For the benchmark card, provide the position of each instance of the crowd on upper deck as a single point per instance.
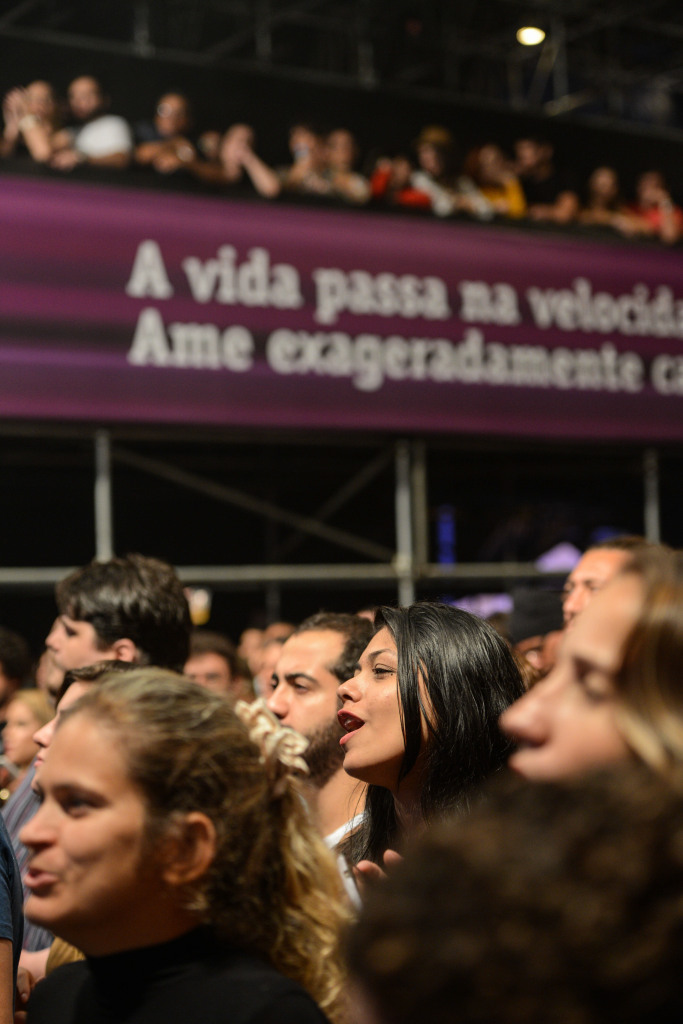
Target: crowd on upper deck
(428, 174)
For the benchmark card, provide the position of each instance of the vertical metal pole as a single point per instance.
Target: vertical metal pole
(263, 31)
(420, 509)
(273, 603)
(404, 526)
(104, 538)
(273, 594)
(651, 494)
(515, 82)
(142, 36)
(365, 53)
(560, 73)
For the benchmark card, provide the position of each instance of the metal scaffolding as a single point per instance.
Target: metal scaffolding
(599, 57)
(403, 566)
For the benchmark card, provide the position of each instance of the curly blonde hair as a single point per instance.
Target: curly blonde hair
(273, 887)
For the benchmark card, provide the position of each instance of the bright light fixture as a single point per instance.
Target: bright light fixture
(529, 35)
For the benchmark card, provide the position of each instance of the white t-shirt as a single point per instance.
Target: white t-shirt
(103, 136)
(332, 841)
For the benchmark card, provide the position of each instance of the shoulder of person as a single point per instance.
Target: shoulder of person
(254, 991)
(54, 997)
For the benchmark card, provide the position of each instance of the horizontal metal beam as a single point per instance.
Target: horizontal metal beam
(229, 576)
(17, 12)
(100, 44)
(499, 48)
(663, 28)
(243, 35)
(43, 577)
(485, 571)
(235, 576)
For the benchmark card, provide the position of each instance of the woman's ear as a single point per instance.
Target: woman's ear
(189, 850)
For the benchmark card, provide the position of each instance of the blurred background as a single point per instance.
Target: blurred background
(604, 86)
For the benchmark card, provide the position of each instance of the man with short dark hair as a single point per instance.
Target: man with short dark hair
(127, 609)
(549, 192)
(596, 567)
(98, 137)
(322, 653)
(215, 664)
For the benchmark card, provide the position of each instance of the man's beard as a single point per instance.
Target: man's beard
(324, 755)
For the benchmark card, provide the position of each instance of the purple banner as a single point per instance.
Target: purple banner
(119, 305)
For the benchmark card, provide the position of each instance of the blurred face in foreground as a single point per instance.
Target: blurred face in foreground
(567, 724)
(88, 877)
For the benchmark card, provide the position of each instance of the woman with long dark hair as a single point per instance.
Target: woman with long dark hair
(421, 719)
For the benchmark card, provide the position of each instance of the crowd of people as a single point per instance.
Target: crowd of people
(363, 818)
(428, 175)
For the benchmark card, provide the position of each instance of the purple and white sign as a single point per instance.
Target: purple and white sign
(120, 305)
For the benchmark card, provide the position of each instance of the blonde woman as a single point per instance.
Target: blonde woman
(173, 847)
(26, 713)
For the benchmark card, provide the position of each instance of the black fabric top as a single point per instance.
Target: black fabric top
(191, 980)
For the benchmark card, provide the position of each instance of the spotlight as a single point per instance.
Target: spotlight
(529, 35)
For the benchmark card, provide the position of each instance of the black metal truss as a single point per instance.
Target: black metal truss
(598, 54)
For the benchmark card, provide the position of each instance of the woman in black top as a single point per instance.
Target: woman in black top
(172, 846)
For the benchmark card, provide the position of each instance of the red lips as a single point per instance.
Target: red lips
(348, 721)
